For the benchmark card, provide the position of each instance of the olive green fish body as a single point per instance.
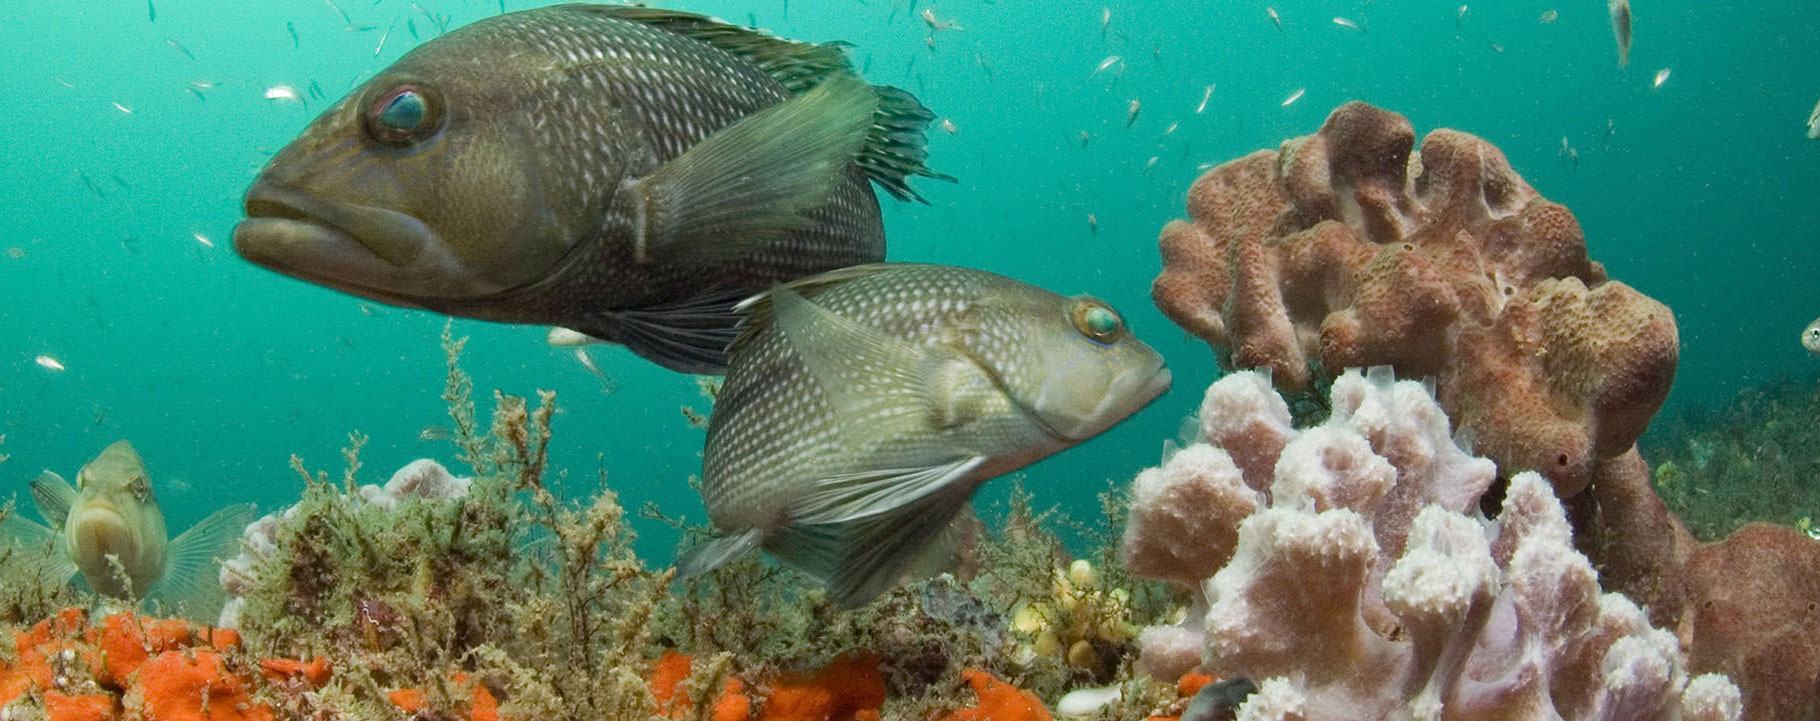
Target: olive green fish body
(624, 172)
(864, 406)
(109, 529)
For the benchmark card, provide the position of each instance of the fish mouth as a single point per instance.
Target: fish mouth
(1128, 393)
(359, 249)
(102, 530)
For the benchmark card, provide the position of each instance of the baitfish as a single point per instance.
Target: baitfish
(109, 528)
(1810, 337)
(864, 406)
(625, 172)
(1620, 28)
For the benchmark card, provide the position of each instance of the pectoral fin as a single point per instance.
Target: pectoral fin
(34, 547)
(189, 585)
(887, 385)
(859, 533)
(54, 497)
(747, 185)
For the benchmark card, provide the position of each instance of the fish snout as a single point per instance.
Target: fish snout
(1069, 412)
(374, 252)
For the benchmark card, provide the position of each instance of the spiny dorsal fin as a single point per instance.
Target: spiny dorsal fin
(896, 145)
(798, 66)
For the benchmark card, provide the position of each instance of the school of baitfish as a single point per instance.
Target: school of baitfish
(702, 194)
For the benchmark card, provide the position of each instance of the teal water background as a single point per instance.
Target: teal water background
(1702, 196)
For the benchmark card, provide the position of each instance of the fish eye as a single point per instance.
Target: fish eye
(1097, 321)
(141, 487)
(404, 115)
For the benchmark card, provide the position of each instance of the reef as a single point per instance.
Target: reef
(1345, 249)
(485, 595)
(1347, 570)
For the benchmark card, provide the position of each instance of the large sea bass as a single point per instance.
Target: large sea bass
(625, 172)
(865, 405)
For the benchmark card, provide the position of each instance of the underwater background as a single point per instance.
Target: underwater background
(132, 130)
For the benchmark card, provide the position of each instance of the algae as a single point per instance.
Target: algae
(1756, 459)
(540, 600)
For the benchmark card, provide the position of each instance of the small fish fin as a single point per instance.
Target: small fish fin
(852, 496)
(54, 497)
(864, 544)
(888, 385)
(35, 547)
(717, 552)
(750, 183)
(798, 66)
(897, 146)
(687, 337)
(190, 583)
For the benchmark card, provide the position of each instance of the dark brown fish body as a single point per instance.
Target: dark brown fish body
(1620, 28)
(624, 172)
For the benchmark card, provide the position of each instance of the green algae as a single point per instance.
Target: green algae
(1756, 459)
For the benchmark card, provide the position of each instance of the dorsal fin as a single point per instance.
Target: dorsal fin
(896, 145)
(799, 66)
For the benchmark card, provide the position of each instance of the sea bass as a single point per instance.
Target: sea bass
(864, 406)
(625, 172)
(108, 527)
(1810, 337)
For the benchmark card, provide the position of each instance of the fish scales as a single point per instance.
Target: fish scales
(546, 171)
(863, 406)
(686, 91)
(753, 450)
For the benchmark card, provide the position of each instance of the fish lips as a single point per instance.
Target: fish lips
(373, 252)
(103, 530)
(1127, 393)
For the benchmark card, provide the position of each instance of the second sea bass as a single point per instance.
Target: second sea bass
(864, 406)
(109, 528)
(625, 172)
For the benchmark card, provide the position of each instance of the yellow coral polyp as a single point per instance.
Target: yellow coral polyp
(1029, 618)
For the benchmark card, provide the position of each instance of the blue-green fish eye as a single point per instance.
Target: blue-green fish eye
(403, 115)
(405, 112)
(1098, 322)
